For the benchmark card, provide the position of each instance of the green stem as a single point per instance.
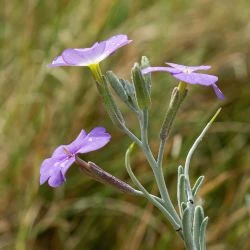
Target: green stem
(132, 136)
(157, 171)
(140, 193)
(147, 194)
(143, 118)
(166, 201)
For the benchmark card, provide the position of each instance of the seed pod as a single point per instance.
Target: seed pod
(100, 175)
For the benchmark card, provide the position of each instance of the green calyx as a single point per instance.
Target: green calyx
(96, 72)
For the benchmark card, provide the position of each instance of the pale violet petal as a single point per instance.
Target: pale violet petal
(202, 67)
(78, 57)
(201, 79)
(58, 62)
(66, 165)
(97, 138)
(189, 69)
(46, 169)
(54, 171)
(218, 92)
(177, 66)
(196, 78)
(57, 179)
(72, 148)
(50, 167)
(155, 69)
(114, 43)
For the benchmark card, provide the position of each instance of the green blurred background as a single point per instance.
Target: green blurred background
(42, 108)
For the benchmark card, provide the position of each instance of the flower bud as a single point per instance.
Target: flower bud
(111, 107)
(117, 85)
(141, 88)
(124, 89)
(145, 64)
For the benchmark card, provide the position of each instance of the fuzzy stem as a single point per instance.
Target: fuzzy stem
(157, 171)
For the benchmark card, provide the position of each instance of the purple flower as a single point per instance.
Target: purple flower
(54, 169)
(90, 56)
(187, 74)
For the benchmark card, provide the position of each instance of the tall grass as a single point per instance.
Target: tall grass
(42, 108)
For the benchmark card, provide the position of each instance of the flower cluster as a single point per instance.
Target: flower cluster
(54, 168)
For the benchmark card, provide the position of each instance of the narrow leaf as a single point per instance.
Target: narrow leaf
(181, 192)
(203, 234)
(197, 185)
(183, 206)
(180, 170)
(198, 219)
(187, 228)
(192, 150)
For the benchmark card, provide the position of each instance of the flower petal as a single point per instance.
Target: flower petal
(66, 165)
(218, 92)
(54, 171)
(180, 67)
(153, 69)
(196, 78)
(202, 67)
(73, 147)
(114, 43)
(57, 179)
(57, 62)
(97, 138)
(45, 170)
(48, 168)
(72, 57)
(184, 68)
(84, 57)
(201, 79)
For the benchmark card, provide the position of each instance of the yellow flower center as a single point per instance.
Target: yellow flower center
(187, 71)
